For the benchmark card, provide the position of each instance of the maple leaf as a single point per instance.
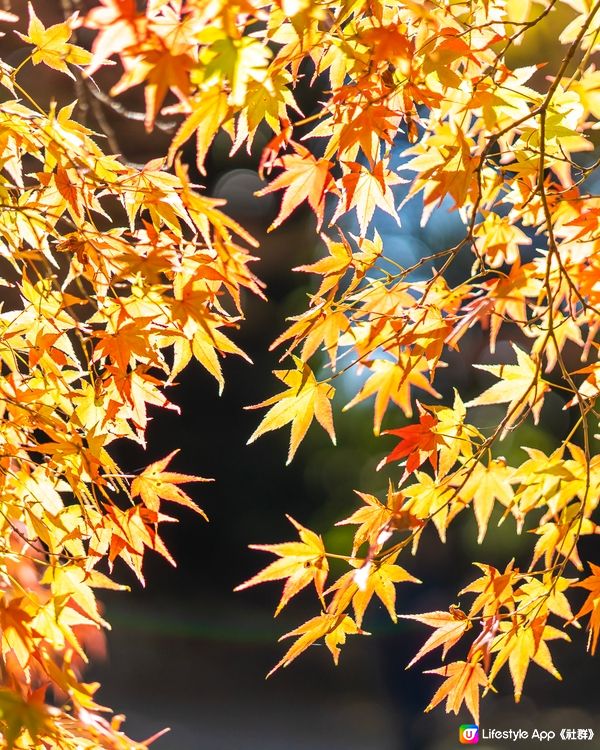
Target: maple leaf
(317, 326)
(365, 190)
(51, 44)
(560, 537)
(428, 498)
(127, 534)
(505, 297)
(23, 716)
(388, 43)
(458, 438)
(564, 329)
(494, 589)
(377, 521)
(549, 591)
(366, 121)
(266, 100)
(301, 562)
(591, 605)
(120, 27)
(208, 114)
(371, 578)
(332, 267)
(462, 684)
(520, 386)
(391, 381)
(239, 62)
(205, 343)
(449, 628)
(155, 484)
(520, 645)
(333, 628)
(126, 345)
(590, 387)
(305, 399)
(304, 178)
(162, 72)
(71, 585)
(445, 166)
(541, 476)
(499, 240)
(417, 442)
(380, 579)
(485, 485)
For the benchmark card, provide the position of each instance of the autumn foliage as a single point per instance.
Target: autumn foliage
(117, 276)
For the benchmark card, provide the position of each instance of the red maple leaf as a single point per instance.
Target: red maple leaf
(417, 441)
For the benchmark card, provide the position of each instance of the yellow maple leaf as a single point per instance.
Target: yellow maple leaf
(208, 114)
(456, 437)
(561, 536)
(547, 595)
(51, 44)
(521, 645)
(374, 517)
(429, 498)
(372, 578)
(332, 627)
(236, 62)
(365, 190)
(300, 562)
(377, 522)
(520, 386)
(494, 589)
(391, 381)
(485, 485)
(332, 267)
(161, 72)
(305, 398)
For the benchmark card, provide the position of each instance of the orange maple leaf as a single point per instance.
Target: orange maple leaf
(591, 606)
(304, 178)
(162, 72)
(463, 680)
(155, 484)
(449, 628)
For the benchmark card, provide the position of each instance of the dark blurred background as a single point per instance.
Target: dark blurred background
(190, 654)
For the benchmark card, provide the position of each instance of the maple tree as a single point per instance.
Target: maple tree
(123, 274)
